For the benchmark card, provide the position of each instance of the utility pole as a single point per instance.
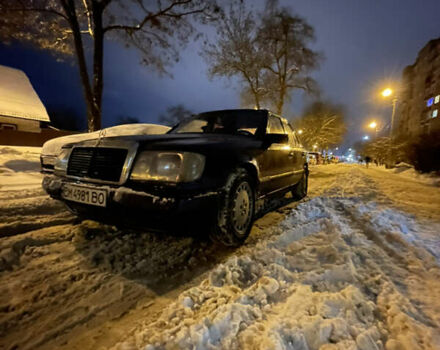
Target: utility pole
(393, 114)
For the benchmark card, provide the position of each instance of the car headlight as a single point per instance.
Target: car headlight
(168, 166)
(61, 161)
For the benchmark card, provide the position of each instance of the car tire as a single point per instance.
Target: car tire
(236, 209)
(299, 191)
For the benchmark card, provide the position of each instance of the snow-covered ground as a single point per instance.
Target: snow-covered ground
(355, 265)
(19, 168)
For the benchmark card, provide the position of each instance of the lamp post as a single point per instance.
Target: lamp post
(387, 93)
(393, 115)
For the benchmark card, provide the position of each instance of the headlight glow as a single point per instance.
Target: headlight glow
(168, 166)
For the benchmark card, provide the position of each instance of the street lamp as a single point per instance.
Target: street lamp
(387, 93)
(366, 137)
(300, 131)
(373, 125)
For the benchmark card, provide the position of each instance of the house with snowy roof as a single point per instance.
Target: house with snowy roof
(20, 107)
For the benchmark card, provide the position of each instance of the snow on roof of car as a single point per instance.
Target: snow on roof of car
(18, 98)
(136, 129)
(52, 147)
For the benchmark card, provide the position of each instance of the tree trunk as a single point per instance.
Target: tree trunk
(98, 54)
(280, 102)
(69, 9)
(257, 100)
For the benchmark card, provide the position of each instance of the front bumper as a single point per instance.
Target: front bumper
(125, 201)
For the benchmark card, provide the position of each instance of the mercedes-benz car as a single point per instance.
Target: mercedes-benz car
(214, 165)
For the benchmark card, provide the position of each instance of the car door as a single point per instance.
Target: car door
(297, 154)
(274, 162)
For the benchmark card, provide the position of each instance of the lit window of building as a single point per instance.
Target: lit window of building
(437, 99)
(434, 113)
(430, 102)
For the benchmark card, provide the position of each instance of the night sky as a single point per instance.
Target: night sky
(366, 44)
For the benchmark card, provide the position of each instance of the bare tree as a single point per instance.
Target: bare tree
(284, 38)
(322, 124)
(174, 115)
(270, 55)
(388, 151)
(236, 52)
(76, 27)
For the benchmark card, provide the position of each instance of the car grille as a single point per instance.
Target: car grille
(97, 163)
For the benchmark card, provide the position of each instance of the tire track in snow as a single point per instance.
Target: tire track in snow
(24, 224)
(39, 205)
(233, 307)
(402, 252)
(21, 194)
(51, 290)
(321, 265)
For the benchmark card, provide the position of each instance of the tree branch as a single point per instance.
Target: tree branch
(89, 17)
(27, 9)
(149, 17)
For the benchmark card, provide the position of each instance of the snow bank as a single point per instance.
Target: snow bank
(321, 283)
(19, 167)
(408, 171)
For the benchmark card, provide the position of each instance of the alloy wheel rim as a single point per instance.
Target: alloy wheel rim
(242, 208)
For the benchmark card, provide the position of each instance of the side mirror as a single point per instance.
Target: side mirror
(275, 138)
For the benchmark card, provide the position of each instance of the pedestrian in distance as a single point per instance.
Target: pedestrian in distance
(367, 161)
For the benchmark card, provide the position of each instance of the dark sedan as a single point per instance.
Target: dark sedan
(219, 162)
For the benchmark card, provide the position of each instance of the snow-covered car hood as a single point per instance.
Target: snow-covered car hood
(53, 147)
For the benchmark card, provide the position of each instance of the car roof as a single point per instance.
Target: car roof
(236, 110)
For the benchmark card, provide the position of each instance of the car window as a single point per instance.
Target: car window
(298, 142)
(274, 126)
(292, 140)
(234, 122)
(295, 140)
(193, 125)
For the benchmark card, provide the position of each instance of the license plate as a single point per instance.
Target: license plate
(84, 195)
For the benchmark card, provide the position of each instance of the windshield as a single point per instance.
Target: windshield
(239, 122)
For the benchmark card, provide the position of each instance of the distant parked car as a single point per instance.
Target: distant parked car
(52, 148)
(215, 164)
(314, 158)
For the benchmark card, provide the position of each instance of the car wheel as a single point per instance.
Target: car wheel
(236, 210)
(299, 191)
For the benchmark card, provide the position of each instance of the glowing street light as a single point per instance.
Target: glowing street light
(300, 131)
(387, 92)
(315, 146)
(366, 137)
(373, 125)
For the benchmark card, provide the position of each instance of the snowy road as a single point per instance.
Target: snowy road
(353, 266)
